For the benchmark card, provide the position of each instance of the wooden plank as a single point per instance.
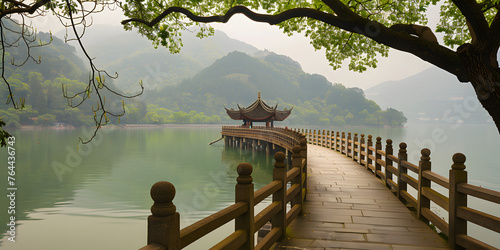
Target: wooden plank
(479, 192)
(291, 174)
(392, 158)
(392, 169)
(266, 214)
(409, 166)
(436, 197)
(268, 241)
(436, 178)
(292, 191)
(392, 183)
(292, 214)
(410, 199)
(480, 218)
(472, 243)
(381, 162)
(204, 226)
(436, 220)
(381, 174)
(410, 180)
(266, 190)
(233, 241)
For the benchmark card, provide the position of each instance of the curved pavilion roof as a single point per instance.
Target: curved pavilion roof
(258, 111)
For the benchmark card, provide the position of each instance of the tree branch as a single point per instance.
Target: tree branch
(265, 18)
(18, 3)
(30, 10)
(429, 51)
(494, 42)
(475, 18)
(420, 31)
(340, 8)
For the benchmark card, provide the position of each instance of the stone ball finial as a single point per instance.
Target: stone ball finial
(403, 145)
(458, 161)
(244, 170)
(296, 149)
(379, 139)
(280, 160)
(279, 156)
(389, 142)
(425, 152)
(163, 192)
(303, 142)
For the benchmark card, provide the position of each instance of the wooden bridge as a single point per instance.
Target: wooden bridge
(346, 205)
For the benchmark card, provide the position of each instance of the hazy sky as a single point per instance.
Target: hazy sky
(398, 65)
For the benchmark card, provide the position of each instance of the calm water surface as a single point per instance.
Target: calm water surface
(98, 197)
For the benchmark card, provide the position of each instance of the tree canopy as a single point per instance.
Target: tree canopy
(356, 31)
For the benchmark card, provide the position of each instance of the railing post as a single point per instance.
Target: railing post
(332, 136)
(342, 143)
(457, 225)
(315, 138)
(328, 139)
(388, 162)
(402, 156)
(369, 152)
(378, 146)
(354, 148)
(362, 149)
(422, 201)
(297, 163)
(164, 223)
(303, 154)
(244, 192)
(323, 139)
(349, 144)
(279, 173)
(337, 147)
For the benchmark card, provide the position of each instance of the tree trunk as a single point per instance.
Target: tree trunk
(484, 75)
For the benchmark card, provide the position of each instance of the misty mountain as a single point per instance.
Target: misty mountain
(135, 59)
(431, 95)
(236, 78)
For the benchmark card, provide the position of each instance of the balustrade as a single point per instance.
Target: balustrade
(381, 163)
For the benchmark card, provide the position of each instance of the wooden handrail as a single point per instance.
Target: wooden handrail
(384, 164)
(163, 225)
(204, 226)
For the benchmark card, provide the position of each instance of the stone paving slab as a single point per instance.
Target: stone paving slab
(347, 207)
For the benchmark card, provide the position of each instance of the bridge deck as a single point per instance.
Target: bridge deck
(347, 207)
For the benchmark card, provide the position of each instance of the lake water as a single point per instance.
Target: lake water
(98, 197)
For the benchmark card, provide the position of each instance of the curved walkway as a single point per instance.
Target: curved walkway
(348, 208)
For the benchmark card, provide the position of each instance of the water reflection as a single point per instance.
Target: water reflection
(108, 183)
(104, 193)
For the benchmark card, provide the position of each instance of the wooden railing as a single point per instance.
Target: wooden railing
(285, 138)
(382, 164)
(164, 224)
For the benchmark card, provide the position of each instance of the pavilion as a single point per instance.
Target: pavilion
(258, 111)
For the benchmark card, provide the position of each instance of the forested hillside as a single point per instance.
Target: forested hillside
(183, 97)
(237, 77)
(40, 84)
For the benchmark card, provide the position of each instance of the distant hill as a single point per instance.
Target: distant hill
(432, 95)
(134, 58)
(191, 87)
(236, 79)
